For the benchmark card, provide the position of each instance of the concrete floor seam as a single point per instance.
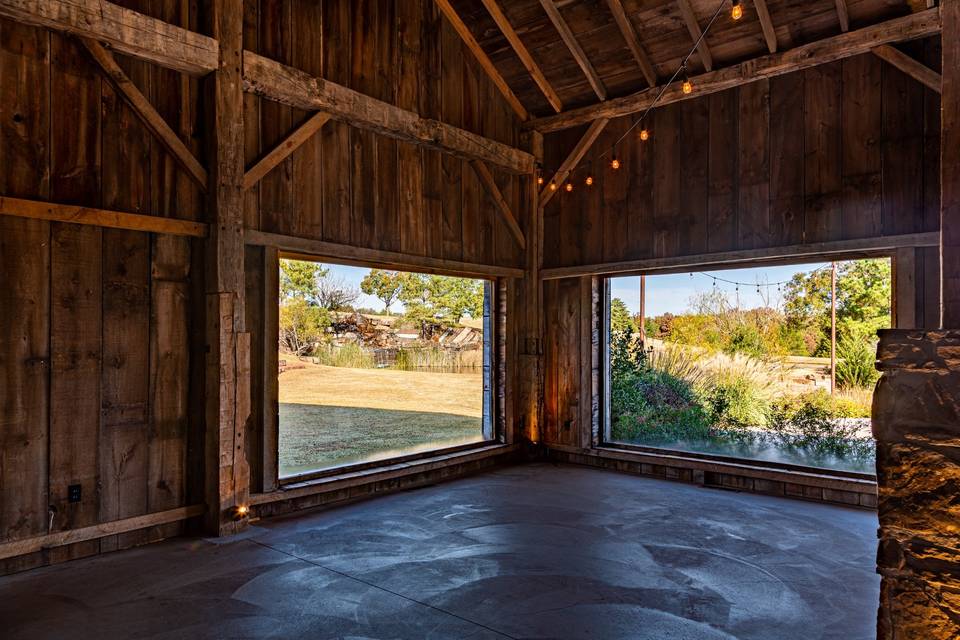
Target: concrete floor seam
(384, 589)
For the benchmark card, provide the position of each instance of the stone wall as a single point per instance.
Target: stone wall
(916, 421)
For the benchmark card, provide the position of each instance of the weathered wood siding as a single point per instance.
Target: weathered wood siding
(354, 187)
(841, 151)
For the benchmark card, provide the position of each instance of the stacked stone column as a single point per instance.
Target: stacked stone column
(916, 422)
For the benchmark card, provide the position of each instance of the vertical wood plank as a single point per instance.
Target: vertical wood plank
(902, 152)
(862, 169)
(276, 121)
(753, 211)
(666, 182)
(822, 155)
(695, 158)
(364, 56)
(950, 165)
(786, 159)
(412, 223)
(335, 137)
(431, 107)
(451, 70)
(307, 161)
(639, 215)
(723, 194)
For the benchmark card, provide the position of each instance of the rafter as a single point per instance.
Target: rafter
(843, 15)
(769, 33)
(502, 206)
(690, 18)
(528, 62)
(916, 70)
(279, 82)
(572, 160)
(146, 112)
(124, 30)
(633, 41)
(575, 49)
(485, 62)
(918, 25)
(282, 151)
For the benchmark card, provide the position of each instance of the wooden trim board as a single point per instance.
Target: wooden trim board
(77, 214)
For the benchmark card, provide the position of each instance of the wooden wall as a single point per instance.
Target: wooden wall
(94, 323)
(354, 187)
(840, 151)
(847, 150)
(101, 330)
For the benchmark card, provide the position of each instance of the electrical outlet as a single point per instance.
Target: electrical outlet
(74, 493)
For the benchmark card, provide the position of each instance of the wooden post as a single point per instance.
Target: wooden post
(643, 311)
(833, 327)
(227, 366)
(950, 166)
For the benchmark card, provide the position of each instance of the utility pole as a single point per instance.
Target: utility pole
(833, 328)
(643, 312)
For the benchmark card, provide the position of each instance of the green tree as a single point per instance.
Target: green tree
(434, 302)
(620, 318)
(384, 285)
(300, 279)
(302, 325)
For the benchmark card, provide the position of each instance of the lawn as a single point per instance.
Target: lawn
(337, 415)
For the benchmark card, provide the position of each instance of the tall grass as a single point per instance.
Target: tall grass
(415, 358)
(349, 355)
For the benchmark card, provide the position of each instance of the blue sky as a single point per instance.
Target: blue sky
(672, 293)
(664, 293)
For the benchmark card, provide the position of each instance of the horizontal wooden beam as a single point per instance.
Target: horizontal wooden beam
(501, 204)
(918, 25)
(916, 70)
(283, 150)
(77, 214)
(123, 30)
(293, 247)
(725, 259)
(146, 112)
(279, 82)
(60, 538)
(485, 62)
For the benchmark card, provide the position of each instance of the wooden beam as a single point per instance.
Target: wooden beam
(766, 24)
(950, 166)
(123, 30)
(690, 19)
(525, 58)
(283, 150)
(292, 247)
(918, 25)
(725, 259)
(485, 62)
(633, 41)
(916, 70)
(572, 160)
(226, 359)
(93, 532)
(502, 206)
(76, 214)
(843, 15)
(575, 49)
(296, 88)
(146, 112)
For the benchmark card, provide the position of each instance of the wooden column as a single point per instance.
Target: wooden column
(950, 166)
(530, 307)
(228, 347)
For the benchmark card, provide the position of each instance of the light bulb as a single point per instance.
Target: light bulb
(589, 180)
(614, 164)
(644, 134)
(540, 180)
(553, 186)
(569, 187)
(736, 10)
(687, 86)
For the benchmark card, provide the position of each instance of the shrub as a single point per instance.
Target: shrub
(302, 325)
(856, 360)
(809, 423)
(349, 355)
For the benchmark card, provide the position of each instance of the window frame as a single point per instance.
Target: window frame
(494, 372)
(605, 441)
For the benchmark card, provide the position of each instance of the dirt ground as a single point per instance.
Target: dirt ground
(338, 415)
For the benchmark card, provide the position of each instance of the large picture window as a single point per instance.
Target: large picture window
(376, 364)
(772, 364)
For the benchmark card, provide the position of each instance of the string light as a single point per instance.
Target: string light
(644, 134)
(589, 180)
(614, 164)
(687, 86)
(569, 187)
(736, 9)
(553, 186)
(540, 180)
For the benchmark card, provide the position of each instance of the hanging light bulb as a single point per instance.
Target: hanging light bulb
(553, 186)
(614, 163)
(569, 187)
(687, 86)
(736, 9)
(589, 181)
(644, 135)
(540, 180)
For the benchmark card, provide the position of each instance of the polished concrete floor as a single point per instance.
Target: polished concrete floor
(533, 551)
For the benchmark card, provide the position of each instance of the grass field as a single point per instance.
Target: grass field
(338, 415)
